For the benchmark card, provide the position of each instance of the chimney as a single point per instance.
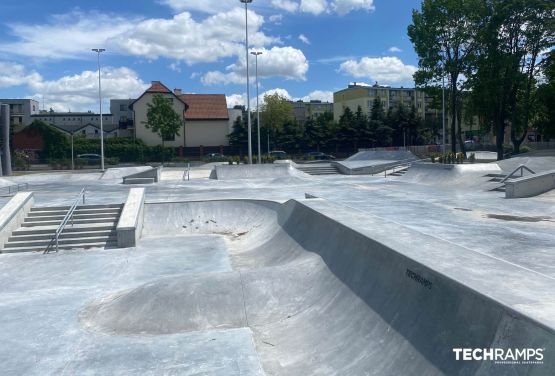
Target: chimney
(177, 92)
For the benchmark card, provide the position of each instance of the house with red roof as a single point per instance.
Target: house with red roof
(205, 118)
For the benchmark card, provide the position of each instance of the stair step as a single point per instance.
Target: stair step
(78, 221)
(63, 235)
(74, 216)
(106, 245)
(50, 208)
(52, 229)
(45, 242)
(46, 213)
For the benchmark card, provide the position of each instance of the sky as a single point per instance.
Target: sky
(310, 48)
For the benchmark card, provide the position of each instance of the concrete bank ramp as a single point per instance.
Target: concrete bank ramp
(327, 290)
(5, 182)
(120, 172)
(373, 161)
(262, 171)
(463, 175)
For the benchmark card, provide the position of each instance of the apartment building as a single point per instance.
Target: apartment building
(86, 124)
(123, 116)
(363, 95)
(21, 111)
(303, 110)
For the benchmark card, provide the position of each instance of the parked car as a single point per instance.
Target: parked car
(215, 156)
(278, 154)
(469, 145)
(318, 155)
(90, 159)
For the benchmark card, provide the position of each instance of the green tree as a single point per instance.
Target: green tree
(443, 33)
(56, 144)
(276, 111)
(514, 34)
(162, 119)
(238, 136)
(345, 128)
(544, 121)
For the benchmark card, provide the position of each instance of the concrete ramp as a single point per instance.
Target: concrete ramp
(463, 175)
(262, 171)
(121, 172)
(373, 161)
(327, 290)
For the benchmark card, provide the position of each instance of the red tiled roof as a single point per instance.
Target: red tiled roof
(205, 106)
(158, 87)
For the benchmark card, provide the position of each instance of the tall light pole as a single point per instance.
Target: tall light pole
(256, 54)
(98, 51)
(248, 91)
(443, 108)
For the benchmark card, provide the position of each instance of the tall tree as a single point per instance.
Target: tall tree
(544, 121)
(443, 33)
(276, 111)
(514, 34)
(162, 119)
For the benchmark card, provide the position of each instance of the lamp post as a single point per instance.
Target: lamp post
(248, 91)
(256, 54)
(98, 51)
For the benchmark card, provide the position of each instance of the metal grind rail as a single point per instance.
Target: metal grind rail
(520, 168)
(67, 218)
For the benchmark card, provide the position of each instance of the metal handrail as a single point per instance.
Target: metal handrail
(187, 172)
(68, 216)
(521, 168)
(403, 164)
(16, 187)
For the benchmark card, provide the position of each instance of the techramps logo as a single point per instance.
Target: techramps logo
(501, 356)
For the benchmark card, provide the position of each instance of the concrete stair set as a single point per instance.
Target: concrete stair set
(91, 226)
(319, 169)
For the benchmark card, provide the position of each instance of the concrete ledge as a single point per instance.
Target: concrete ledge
(228, 172)
(13, 214)
(529, 186)
(138, 180)
(130, 223)
(360, 167)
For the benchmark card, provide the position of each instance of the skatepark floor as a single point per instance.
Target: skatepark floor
(245, 293)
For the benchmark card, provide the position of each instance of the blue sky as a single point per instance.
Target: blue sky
(311, 48)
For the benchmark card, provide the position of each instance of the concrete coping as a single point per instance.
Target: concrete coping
(130, 223)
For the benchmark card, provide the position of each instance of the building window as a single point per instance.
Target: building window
(122, 107)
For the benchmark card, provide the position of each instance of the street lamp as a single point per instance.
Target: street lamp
(256, 53)
(98, 51)
(248, 91)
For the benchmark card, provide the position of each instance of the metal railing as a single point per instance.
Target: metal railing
(520, 168)
(68, 216)
(393, 169)
(15, 188)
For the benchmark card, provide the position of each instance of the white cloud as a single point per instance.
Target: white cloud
(236, 100)
(79, 92)
(395, 49)
(286, 62)
(276, 18)
(319, 95)
(13, 74)
(313, 6)
(343, 7)
(381, 69)
(66, 36)
(205, 6)
(287, 5)
(304, 39)
(183, 38)
(241, 99)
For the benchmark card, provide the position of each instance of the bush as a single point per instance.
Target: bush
(21, 160)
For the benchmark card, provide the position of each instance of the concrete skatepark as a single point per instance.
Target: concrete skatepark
(243, 275)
